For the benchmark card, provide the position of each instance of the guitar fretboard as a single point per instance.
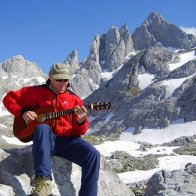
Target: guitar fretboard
(59, 114)
(55, 114)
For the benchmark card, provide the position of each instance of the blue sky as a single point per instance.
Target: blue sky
(46, 31)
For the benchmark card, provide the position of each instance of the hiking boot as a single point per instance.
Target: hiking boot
(41, 187)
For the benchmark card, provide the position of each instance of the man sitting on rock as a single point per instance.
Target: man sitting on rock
(63, 139)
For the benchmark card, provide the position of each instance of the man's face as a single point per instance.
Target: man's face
(58, 85)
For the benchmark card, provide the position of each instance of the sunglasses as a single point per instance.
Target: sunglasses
(62, 80)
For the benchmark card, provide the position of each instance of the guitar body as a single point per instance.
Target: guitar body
(24, 132)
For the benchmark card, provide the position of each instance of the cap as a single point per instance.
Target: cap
(60, 71)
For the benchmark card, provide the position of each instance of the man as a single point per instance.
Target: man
(64, 140)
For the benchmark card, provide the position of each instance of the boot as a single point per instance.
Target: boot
(41, 187)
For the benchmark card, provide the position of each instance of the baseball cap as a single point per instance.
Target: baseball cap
(60, 71)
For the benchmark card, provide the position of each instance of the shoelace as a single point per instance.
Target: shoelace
(38, 183)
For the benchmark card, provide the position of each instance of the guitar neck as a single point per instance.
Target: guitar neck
(58, 114)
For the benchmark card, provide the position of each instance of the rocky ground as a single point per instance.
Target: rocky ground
(122, 162)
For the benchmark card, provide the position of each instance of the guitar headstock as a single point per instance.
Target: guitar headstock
(99, 106)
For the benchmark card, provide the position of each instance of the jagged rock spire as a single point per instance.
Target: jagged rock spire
(72, 61)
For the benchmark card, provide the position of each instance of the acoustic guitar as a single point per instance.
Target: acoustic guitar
(47, 115)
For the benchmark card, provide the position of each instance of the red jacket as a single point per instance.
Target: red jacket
(17, 102)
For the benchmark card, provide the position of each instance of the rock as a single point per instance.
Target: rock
(6, 190)
(18, 66)
(72, 61)
(116, 46)
(184, 71)
(187, 100)
(16, 170)
(175, 183)
(156, 60)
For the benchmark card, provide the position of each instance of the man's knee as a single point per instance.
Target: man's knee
(41, 131)
(95, 154)
(42, 127)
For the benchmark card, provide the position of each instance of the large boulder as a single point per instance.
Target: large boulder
(176, 183)
(16, 171)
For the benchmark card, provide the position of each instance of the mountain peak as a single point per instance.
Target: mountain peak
(155, 17)
(156, 30)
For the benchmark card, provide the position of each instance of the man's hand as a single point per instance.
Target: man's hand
(81, 113)
(28, 116)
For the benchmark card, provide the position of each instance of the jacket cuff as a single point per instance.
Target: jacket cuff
(82, 123)
(23, 110)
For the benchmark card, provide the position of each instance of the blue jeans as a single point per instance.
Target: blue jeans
(72, 148)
